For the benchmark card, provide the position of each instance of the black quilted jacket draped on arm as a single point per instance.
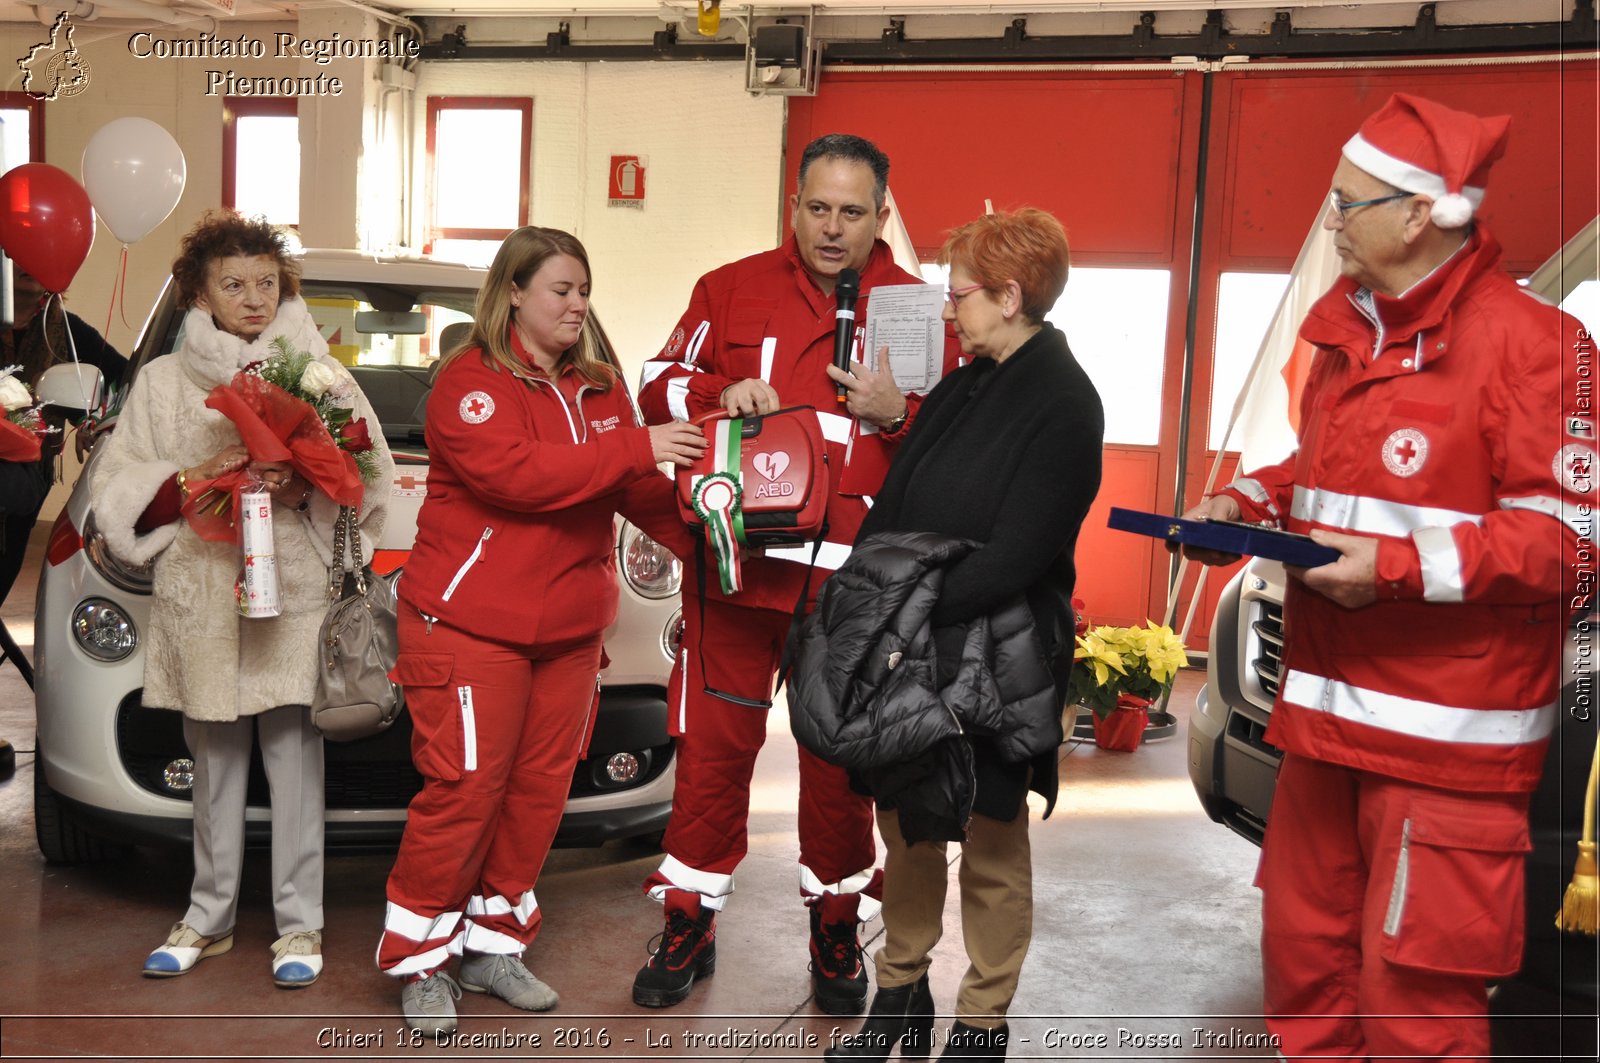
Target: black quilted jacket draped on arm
(877, 689)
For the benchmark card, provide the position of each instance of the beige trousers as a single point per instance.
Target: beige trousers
(996, 880)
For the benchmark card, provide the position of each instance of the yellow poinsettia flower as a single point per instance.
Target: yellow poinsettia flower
(1102, 657)
(1163, 651)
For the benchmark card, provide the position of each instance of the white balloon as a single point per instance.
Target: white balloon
(134, 173)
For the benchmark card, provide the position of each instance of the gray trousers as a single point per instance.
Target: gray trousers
(292, 754)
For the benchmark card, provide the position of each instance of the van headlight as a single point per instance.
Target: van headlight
(104, 631)
(120, 574)
(650, 568)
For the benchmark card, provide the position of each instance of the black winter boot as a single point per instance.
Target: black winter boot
(838, 977)
(900, 1016)
(974, 1042)
(687, 950)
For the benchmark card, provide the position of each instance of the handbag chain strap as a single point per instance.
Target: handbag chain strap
(345, 533)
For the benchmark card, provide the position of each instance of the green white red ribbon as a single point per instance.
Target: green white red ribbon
(717, 497)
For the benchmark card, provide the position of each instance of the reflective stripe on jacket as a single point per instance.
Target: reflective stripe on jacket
(1459, 447)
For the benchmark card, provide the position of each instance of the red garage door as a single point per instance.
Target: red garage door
(1119, 158)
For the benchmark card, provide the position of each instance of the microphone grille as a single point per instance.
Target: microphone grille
(848, 280)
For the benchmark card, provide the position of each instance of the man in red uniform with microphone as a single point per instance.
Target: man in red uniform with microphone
(758, 336)
(1439, 457)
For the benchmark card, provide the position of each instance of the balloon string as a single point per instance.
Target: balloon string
(122, 287)
(111, 306)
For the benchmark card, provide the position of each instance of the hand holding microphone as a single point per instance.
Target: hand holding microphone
(846, 289)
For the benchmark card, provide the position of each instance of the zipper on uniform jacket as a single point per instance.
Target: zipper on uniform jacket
(461, 573)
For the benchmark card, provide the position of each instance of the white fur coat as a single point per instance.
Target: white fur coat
(200, 655)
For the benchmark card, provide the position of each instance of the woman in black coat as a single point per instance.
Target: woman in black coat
(1005, 452)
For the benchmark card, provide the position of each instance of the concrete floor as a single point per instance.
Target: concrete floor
(1145, 938)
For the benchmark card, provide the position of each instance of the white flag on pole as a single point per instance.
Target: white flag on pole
(1266, 414)
(898, 237)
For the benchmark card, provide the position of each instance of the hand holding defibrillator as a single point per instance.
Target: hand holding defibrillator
(677, 442)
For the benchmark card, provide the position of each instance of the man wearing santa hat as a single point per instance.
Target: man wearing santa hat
(1421, 669)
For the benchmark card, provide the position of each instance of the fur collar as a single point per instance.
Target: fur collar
(211, 357)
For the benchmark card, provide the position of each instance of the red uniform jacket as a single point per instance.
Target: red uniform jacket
(515, 541)
(764, 316)
(1444, 424)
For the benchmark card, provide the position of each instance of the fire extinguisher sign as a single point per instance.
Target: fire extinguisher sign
(626, 182)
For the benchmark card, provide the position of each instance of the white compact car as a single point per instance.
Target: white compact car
(111, 772)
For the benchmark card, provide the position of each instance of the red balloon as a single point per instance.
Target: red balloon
(46, 223)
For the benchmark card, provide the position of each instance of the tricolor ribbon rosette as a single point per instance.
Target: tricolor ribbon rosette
(715, 498)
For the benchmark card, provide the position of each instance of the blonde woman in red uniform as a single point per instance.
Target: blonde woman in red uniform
(534, 448)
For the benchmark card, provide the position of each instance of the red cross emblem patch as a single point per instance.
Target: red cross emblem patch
(1576, 467)
(476, 407)
(1405, 452)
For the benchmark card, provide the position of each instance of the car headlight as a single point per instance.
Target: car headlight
(672, 636)
(650, 568)
(120, 574)
(104, 631)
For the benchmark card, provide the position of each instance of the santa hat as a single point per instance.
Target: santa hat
(1421, 146)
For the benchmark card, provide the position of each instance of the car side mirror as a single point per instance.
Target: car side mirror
(73, 387)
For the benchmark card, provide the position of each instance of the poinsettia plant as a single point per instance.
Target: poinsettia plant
(330, 392)
(1111, 662)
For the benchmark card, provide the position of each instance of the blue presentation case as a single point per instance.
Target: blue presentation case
(1231, 537)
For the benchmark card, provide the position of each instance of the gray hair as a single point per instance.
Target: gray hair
(851, 149)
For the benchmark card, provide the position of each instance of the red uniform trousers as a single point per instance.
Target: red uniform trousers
(1386, 907)
(717, 742)
(497, 735)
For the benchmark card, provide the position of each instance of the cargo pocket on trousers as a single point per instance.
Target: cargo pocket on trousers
(438, 723)
(1456, 905)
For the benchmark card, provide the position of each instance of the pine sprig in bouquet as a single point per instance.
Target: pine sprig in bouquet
(330, 392)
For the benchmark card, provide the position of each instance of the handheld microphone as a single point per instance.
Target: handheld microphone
(846, 287)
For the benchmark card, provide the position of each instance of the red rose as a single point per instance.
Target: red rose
(355, 438)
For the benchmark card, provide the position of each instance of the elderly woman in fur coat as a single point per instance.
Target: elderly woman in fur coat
(232, 677)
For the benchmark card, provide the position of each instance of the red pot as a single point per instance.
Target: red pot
(1123, 729)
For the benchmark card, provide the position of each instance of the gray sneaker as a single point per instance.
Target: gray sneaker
(506, 978)
(429, 1003)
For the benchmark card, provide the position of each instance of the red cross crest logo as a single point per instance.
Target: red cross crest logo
(1576, 467)
(476, 407)
(1405, 452)
(675, 343)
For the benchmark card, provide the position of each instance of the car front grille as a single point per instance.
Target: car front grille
(1268, 627)
(374, 773)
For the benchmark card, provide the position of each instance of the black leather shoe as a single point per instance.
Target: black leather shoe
(900, 1016)
(685, 952)
(973, 1042)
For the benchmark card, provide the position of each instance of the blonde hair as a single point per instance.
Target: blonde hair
(1028, 246)
(520, 256)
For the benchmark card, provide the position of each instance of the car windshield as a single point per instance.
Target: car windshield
(391, 336)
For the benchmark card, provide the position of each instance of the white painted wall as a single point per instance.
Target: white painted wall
(713, 183)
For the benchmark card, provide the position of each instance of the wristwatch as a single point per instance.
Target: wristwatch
(898, 423)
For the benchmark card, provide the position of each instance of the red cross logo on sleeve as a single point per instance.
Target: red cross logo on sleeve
(1405, 452)
(476, 407)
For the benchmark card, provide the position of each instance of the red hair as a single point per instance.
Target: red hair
(1028, 246)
